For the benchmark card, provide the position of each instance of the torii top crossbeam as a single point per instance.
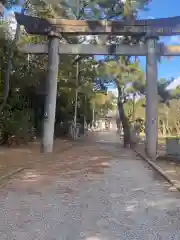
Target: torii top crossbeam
(148, 27)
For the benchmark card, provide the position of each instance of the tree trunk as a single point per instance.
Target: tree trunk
(133, 108)
(2, 8)
(177, 129)
(124, 120)
(163, 129)
(168, 130)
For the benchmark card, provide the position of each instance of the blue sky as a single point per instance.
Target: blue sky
(163, 8)
(167, 68)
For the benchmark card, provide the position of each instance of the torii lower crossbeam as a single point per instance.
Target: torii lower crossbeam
(94, 49)
(150, 49)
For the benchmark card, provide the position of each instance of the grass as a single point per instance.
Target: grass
(161, 139)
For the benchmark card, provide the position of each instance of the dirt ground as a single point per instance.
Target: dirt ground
(15, 158)
(169, 165)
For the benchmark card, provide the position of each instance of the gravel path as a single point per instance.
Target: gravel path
(95, 191)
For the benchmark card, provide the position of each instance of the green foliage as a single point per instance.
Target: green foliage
(102, 103)
(16, 121)
(25, 105)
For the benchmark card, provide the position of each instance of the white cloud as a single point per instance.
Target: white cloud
(174, 84)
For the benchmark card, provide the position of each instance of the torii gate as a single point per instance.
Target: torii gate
(151, 29)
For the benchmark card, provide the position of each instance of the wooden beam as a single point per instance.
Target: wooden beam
(150, 27)
(87, 49)
(92, 49)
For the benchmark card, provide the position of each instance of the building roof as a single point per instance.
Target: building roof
(174, 84)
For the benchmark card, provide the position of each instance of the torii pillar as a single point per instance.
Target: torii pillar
(151, 98)
(51, 93)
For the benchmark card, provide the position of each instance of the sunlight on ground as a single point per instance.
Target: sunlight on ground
(161, 204)
(93, 238)
(94, 158)
(30, 176)
(172, 189)
(138, 189)
(105, 164)
(170, 171)
(131, 208)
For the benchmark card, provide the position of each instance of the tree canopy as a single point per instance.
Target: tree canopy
(28, 72)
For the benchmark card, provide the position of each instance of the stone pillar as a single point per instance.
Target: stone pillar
(76, 94)
(51, 93)
(151, 98)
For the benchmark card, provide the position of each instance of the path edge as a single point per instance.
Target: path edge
(8, 175)
(158, 169)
